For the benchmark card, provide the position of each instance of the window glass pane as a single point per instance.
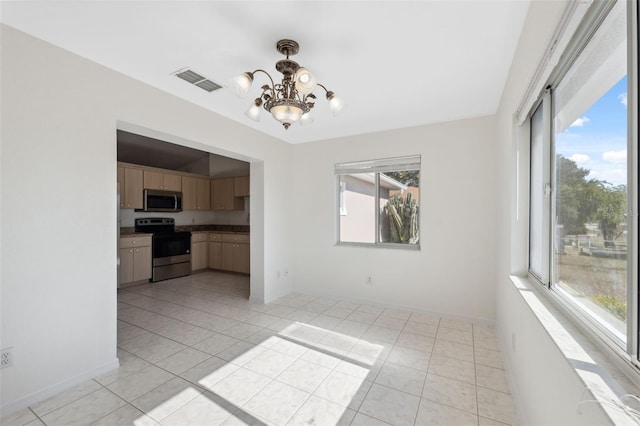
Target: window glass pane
(399, 198)
(358, 223)
(590, 125)
(536, 226)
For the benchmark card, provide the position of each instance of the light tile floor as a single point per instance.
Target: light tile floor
(195, 351)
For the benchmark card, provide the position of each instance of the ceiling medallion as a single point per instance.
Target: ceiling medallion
(292, 99)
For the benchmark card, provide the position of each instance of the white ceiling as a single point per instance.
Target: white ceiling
(395, 63)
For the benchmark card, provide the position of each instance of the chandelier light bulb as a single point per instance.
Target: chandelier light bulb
(242, 83)
(306, 119)
(305, 81)
(335, 103)
(254, 110)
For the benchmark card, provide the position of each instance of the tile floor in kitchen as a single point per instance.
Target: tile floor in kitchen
(195, 351)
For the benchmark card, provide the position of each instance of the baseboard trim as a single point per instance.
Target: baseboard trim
(49, 391)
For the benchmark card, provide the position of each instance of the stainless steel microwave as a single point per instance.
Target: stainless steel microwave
(161, 201)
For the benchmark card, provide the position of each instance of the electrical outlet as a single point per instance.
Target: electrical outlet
(369, 280)
(6, 358)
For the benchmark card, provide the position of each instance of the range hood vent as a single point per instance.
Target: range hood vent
(193, 77)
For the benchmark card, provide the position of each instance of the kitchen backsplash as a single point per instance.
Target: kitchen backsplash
(192, 217)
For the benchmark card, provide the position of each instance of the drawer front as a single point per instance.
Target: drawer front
(215, 237)
(199, 237)
(236, 238)
(135, 242)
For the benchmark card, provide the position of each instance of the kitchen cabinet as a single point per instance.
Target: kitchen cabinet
(241, 186)
(243, 258)
(130, 184)
(215, 251)
(162, 181)
(199, 250)
(223, 196)
(229, 252)
(135, 259)
(195, 193)
(236, 253)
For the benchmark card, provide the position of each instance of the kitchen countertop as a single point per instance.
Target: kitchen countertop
(129, 231)
(214, 228)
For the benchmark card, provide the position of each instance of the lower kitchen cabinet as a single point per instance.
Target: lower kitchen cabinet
(215, 251)
(235, 253)
(229, 252)
(199, 250)
(135, 259)
(241, 256)
(227, 256)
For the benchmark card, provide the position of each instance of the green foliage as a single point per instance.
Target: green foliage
(612, 304)
(399, 220)
(580, 201)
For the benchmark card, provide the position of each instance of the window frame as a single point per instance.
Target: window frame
(376, 166)
(629, 352)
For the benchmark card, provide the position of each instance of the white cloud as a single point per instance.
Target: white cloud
(623, 98)
(614, 176)
(580, 158)
(615, 157)
(580, 122)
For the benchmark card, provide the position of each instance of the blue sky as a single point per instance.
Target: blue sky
(597, 141)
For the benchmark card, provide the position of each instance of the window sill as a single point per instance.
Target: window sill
(410, 247)
(603, 371)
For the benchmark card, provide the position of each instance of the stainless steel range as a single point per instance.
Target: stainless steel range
(171, 250)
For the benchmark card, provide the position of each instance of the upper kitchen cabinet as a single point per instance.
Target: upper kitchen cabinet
(163, 181)
(223, 195)
(130, 185)
(241, 186)
(195, 193)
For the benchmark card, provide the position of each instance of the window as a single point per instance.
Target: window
(384, 202)
(580, 172)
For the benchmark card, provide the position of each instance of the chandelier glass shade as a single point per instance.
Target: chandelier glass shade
(292, 99)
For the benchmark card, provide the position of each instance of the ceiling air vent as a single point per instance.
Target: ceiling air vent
(193, 77)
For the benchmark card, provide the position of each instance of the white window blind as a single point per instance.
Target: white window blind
(385, 165)
(601, 64)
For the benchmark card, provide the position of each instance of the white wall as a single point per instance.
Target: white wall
(58, 215)
(545, 386)
(453, 272)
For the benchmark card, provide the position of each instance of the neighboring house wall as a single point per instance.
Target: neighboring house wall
(359, 222)
(414, 191)
(60, 113)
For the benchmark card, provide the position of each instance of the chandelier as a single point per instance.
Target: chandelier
(292, 99)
